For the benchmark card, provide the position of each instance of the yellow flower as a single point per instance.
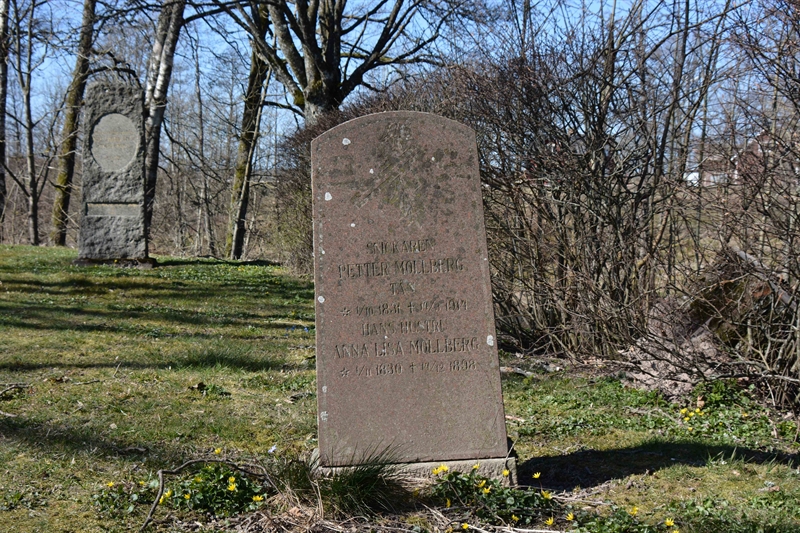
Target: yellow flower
(164, 497)
(186, 496)
(110, 484)
(550, 521)
(231, 479)
(686, 419)
(697, 410)
(506, 472)
(669, 522)
(476, 466)
(464, 526)
(570, 517)
(440, 470)
(232, 487)
(198, 479)
(218, 451)
(691, 415)
(487, 490)
(537, 475)
(546, 495)
(515, 518)
(482, 483)
(258, 498)
(448, 503)
(744, 415)
(634, 511)
(676, 531)
(690, 428)
(684, 411)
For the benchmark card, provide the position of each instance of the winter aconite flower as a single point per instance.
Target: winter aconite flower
(476, 466)
(550, 521)
(669, 522)
(258, 498)
(570, 517)
(448, 503)
(515, 518)
(482, 483)
(537, 475)
(465, 526)
(110, 484)
(186, 496)
(487, 490)
(506, 472)
(231, 479)
(232, 487)
(546, 495)
(218, 451)
(441, 469)
(634, 511)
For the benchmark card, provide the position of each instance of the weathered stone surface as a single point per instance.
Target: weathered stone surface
(112, 221)
(406, 354)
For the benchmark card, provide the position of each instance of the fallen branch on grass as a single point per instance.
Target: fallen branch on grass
(13, 386)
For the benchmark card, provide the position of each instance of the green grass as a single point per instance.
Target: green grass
(108, 375)
(109, 361)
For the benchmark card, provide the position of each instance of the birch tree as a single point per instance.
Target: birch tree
(159, 73)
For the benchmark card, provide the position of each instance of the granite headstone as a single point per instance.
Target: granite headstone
(112, 220)
(406, 345)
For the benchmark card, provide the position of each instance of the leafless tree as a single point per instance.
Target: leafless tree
(69, 133)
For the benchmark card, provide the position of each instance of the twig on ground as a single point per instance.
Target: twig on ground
(13, 386)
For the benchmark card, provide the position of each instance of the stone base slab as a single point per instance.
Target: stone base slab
(422, 473)
(144, 262)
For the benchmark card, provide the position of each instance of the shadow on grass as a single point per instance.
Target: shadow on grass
(63, 439)
(591, 468)
(200, 261)
(210, 357)
(77, 319)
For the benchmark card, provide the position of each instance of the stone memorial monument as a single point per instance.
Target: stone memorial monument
(406, 346)
(112, 224)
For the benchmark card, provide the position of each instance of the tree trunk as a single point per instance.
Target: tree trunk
(251, 124)
(159, 73)
(69, 135)
(4, 44)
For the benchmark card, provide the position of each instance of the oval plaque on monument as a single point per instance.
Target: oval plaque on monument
(115, 141)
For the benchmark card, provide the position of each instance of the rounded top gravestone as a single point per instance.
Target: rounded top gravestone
(115, 142)
(406, 344)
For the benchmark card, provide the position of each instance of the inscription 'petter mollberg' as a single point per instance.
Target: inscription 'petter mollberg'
(406, 352)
